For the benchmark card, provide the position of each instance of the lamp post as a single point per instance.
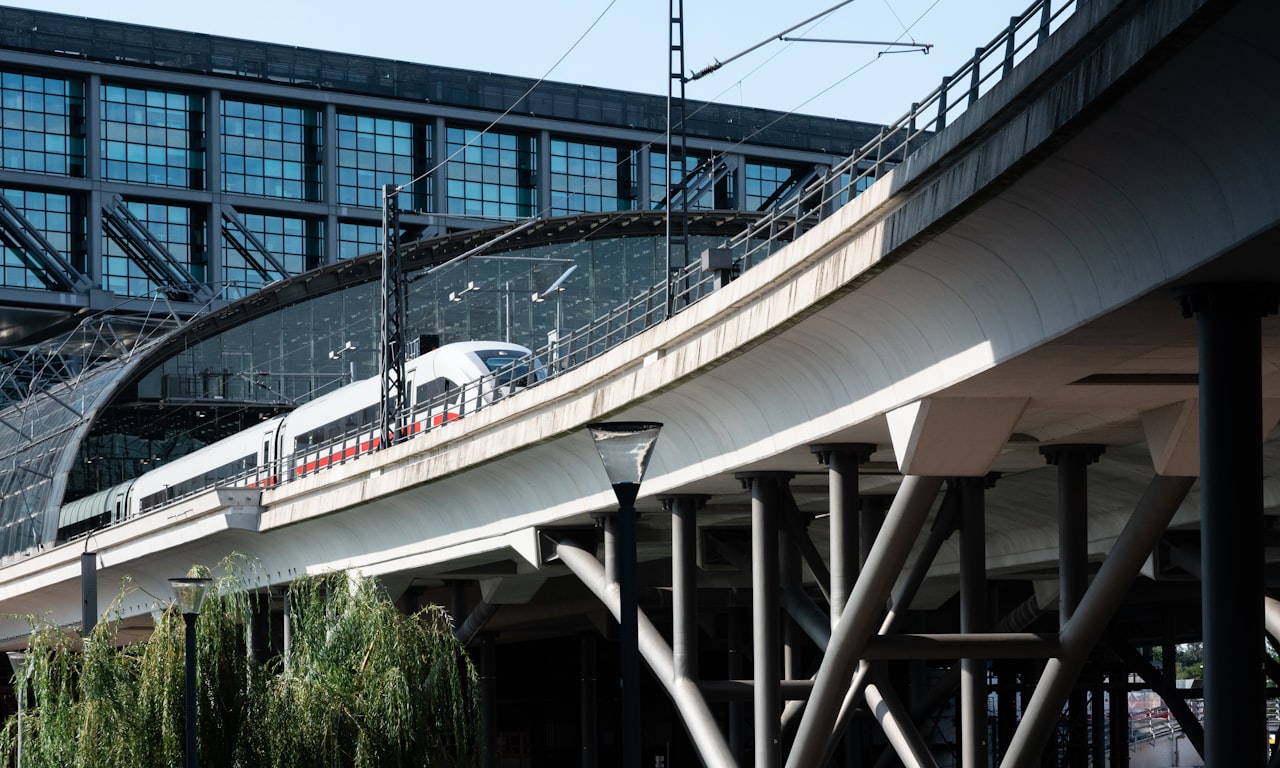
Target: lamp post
(188, 593)
(625, 448)
(17, 660)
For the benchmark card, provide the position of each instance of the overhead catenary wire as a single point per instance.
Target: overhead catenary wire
(509, 109)
(717, 65)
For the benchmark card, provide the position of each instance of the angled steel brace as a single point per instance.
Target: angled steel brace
(903, 736)
(1154, 511)
(694, 712)
(250, 248)
(37, 253)
(866, 603)
(146, 250)
(1176, 704)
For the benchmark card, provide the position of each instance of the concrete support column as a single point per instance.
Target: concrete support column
(1072, 461)
(973, 618)
(766, 503)
(684, 582)
(1231, 521)
(842, 461)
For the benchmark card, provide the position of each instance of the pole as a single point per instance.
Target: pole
(628, 622)
(190, 746)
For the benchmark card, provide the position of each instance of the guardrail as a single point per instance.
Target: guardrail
(989, 65)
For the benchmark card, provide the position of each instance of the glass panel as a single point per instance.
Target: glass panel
(272, 151)
(499, 171)
(43, 120)
(161, 143)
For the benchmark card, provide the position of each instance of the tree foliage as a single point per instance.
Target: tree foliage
(364, 685)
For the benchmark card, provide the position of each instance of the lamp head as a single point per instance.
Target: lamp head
(625, 448)
(189, 593)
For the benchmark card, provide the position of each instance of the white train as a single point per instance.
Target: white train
(443, 385)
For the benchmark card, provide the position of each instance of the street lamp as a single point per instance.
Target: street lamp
(17, 660)
(188, 593)
(625, 448)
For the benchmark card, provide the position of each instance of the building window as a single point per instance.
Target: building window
(51, 215)
(373, 151)
(702, 196)
(767, 185)
(590, 178)
(491, 175)
(358, 239)
(126, 269)
(298, 244)
(152, 137)
(271, 151)
(41, 124)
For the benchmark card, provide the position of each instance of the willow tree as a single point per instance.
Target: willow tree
(364, 685)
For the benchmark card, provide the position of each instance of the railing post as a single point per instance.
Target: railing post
(1010, 45)
(1046, 16)
(975, 75)
(942, 101)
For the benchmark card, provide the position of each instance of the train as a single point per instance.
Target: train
(443, 385)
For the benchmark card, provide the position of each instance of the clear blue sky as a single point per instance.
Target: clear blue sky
(627, 48)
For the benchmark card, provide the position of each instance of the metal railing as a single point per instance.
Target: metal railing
(989, 65)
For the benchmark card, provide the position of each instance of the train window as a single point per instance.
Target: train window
(426, 393)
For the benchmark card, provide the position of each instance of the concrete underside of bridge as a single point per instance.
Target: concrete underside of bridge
(987, 352)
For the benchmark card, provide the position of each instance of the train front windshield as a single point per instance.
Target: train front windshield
(507, 367)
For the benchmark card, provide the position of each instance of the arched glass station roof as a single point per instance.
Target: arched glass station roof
(145, 402)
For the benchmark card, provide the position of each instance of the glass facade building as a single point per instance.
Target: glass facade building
(149, 173)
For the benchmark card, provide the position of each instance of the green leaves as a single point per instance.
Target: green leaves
(364, 685)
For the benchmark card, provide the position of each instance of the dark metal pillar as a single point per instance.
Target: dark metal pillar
(765, 509)
(588, 722)
(842, 461)
(88, 592)
(1231, 517)
(737, 669)
(1098, 719)
(1119, 695)
(489, 700)
(973, 618)
(684, 582)
(1072, 461)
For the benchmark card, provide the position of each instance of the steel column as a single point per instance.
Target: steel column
(842, 460)
(1104, 595)
(489, 700)
(684, 582)
(1072, 461)
(973, 618)
(1231, 520)
(1119, 690)
(588, 722)
(884, 562)
(765, 587)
